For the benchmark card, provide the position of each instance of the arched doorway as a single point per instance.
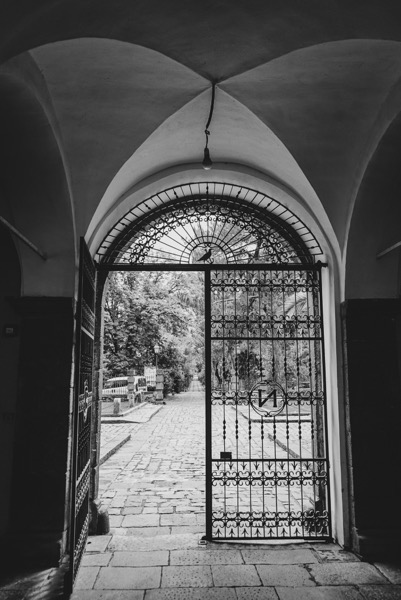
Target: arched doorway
(264, 357)
(264, 350)
(264, 354)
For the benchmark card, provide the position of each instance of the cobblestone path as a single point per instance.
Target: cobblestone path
(160, 472)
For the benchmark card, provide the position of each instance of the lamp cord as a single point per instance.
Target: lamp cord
(207, 132)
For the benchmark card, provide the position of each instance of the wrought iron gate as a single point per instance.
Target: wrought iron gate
(266, 461)
(267, 465)
(80, 478)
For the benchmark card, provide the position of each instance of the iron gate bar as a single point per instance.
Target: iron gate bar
(208, 406)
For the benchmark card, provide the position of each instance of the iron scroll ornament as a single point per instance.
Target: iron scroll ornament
(86, 400)
(267, 398)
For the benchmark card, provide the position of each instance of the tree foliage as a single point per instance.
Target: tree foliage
(143, 309)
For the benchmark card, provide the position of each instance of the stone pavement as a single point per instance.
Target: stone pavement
(154, 490)
(112, 438)
(117, 431)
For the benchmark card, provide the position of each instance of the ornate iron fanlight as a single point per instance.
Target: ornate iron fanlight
(212, 223)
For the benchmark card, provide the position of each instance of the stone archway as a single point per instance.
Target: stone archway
(244, 240)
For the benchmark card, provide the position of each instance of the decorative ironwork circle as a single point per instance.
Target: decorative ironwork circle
(209, 223)
(267, 398)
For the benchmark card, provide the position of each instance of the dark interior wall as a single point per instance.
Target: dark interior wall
(36, 342)
(373, 337)
(371, 325)
(35, 391)
(38, 520)
(9, 351)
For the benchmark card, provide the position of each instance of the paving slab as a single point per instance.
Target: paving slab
(335, 554)
(114, 511)
(205, 557)
(133, 502)
(97, 543)
(391, 571)
(235, 575)
(131, 510)
(128, 578)
(140, 559)
(319, 593)
(259, 545)
(143, 531)
(161, 542)
(278, 557)
(115, 520)
(356, 573)
(192, 577)
(381, 592)
(284, 575)
(199, 530)
(107, 595)
(181, 519)
(191, 594)
(86, 578)
(142, 521)
(118, 502)
(96, 560)
(256, 593)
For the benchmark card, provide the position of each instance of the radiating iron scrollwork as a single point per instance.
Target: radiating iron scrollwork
(208, 222)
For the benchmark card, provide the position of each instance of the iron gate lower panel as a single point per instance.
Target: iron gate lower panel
(267, 451)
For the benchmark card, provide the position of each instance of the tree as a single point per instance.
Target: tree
(144, 309)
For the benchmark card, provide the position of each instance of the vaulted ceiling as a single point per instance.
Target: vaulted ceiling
(305, 93)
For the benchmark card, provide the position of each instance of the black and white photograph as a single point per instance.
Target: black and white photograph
(200, 300)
